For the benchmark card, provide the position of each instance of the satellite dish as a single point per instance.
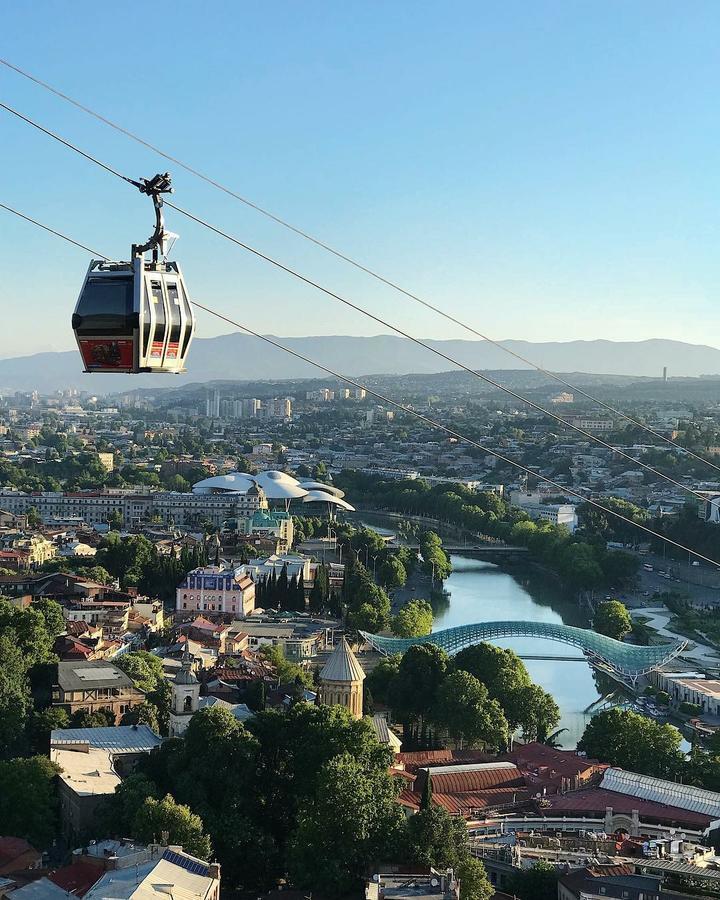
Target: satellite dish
(434, 882)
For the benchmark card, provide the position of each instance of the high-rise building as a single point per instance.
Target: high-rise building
(277, 408)
(212, 405)
(251, 408)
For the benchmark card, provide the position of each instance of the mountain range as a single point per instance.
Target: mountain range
(239, 357)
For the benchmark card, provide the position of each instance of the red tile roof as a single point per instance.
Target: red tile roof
(564, 762)
(480, 780)
(596, 800)
(77, 878)
(418, 759)
(13, 847)
(468, 803)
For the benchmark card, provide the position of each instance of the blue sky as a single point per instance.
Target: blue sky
(544, 170)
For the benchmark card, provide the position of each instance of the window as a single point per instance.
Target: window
(106, 306)
(188, 704)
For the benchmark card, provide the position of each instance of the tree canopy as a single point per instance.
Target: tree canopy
(413, 620)
(635, 742)
(613, 619)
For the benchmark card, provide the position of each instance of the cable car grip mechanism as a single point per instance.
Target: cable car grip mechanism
(153, 187)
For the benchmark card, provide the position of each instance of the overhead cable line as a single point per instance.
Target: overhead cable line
(407, 409)
(352, 305)
(358, 265)
(59, 234)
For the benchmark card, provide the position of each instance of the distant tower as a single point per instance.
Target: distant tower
(341, 680)
(185, 696)
(665, 374)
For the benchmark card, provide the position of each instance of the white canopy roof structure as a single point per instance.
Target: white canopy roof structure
(319, 486)
(233, 482)
(279, 485)
(316, 496)
(275, 485)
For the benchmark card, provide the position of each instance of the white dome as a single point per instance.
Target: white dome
(279, 485)
(316, 496)
(318, 485)
(232, 482)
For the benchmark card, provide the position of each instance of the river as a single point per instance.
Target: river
(482, 592)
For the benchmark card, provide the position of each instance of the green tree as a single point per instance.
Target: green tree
(427, 792)
(34, 519)
(612, 619)
(145, 669)
(28, 799)
(115, 520)
(99, 718)
(502, 672)
(15, 699)
(28, 630)
(537, 712)
(539, 882)
(381, 677)
(52, 613)
(41, 724)
(435, 838)
(415, 619)
(463, 709)
(413, 692)
(474, 881)
(142, 714)
(632, 741)
(117, 813)
(392, 573)
(352, 818)
(182, 825)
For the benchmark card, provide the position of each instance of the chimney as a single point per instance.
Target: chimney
(214, 870)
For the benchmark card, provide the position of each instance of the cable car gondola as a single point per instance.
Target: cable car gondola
(136, 316)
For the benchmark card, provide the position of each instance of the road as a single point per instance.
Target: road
(700, 583)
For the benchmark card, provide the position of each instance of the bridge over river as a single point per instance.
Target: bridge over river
(482, 551)
(625, 662)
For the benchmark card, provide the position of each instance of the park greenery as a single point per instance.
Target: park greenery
(415, 619)
(69, 466)
(300, 792)
(612, 619)
(479, 697)
(133, 561)
(581, 559)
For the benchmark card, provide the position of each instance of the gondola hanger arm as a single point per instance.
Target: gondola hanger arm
(154, 188)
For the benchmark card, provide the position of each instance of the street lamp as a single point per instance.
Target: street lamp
(374, 559)
(334, 535)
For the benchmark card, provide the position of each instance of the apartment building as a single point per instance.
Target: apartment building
(96, 507)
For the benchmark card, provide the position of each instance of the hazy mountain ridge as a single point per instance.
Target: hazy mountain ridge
(242, 357)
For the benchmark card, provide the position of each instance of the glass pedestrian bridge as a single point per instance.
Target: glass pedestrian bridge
(626, 661)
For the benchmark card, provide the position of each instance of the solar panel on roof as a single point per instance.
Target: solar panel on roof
(190, 865)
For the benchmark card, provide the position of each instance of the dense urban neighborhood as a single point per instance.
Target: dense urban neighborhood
(226, 665)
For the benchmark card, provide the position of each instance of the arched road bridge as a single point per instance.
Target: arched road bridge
(624, 661)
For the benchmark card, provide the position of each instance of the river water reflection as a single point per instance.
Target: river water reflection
(482, 592)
